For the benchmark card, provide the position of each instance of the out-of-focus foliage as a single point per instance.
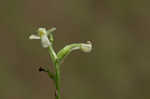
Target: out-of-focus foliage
(118, 67)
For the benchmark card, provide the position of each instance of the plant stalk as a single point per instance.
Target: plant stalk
(57, 69)
(57, 93)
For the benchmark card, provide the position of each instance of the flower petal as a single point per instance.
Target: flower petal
(51, 30)
(34, 37)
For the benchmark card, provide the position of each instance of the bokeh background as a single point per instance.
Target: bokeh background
(117, 68)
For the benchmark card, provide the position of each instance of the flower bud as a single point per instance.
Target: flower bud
(86, 47)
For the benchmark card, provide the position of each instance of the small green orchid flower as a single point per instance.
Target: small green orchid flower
(43, 35)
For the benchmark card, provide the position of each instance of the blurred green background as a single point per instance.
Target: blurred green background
(117, 68)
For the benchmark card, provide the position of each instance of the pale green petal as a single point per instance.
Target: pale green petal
(51, 30)
(34, 37)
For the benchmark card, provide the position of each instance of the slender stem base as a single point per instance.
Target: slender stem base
(57, 93)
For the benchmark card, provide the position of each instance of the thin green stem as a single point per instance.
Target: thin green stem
(57, 67)
(51, 75)
(52, 54)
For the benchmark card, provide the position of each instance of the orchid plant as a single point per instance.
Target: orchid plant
(46, 37)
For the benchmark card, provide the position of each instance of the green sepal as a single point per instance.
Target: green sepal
(50, 33)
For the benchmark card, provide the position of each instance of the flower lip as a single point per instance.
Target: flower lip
(45, 41)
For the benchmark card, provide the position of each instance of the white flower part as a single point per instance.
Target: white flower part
(45, 41)
(34, 37)
(42, 34)
(86, 47)
(42, 31)
(44, 37)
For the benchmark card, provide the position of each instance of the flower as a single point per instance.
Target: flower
(43, 35)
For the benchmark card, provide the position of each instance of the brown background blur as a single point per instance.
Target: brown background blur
(117, 68)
